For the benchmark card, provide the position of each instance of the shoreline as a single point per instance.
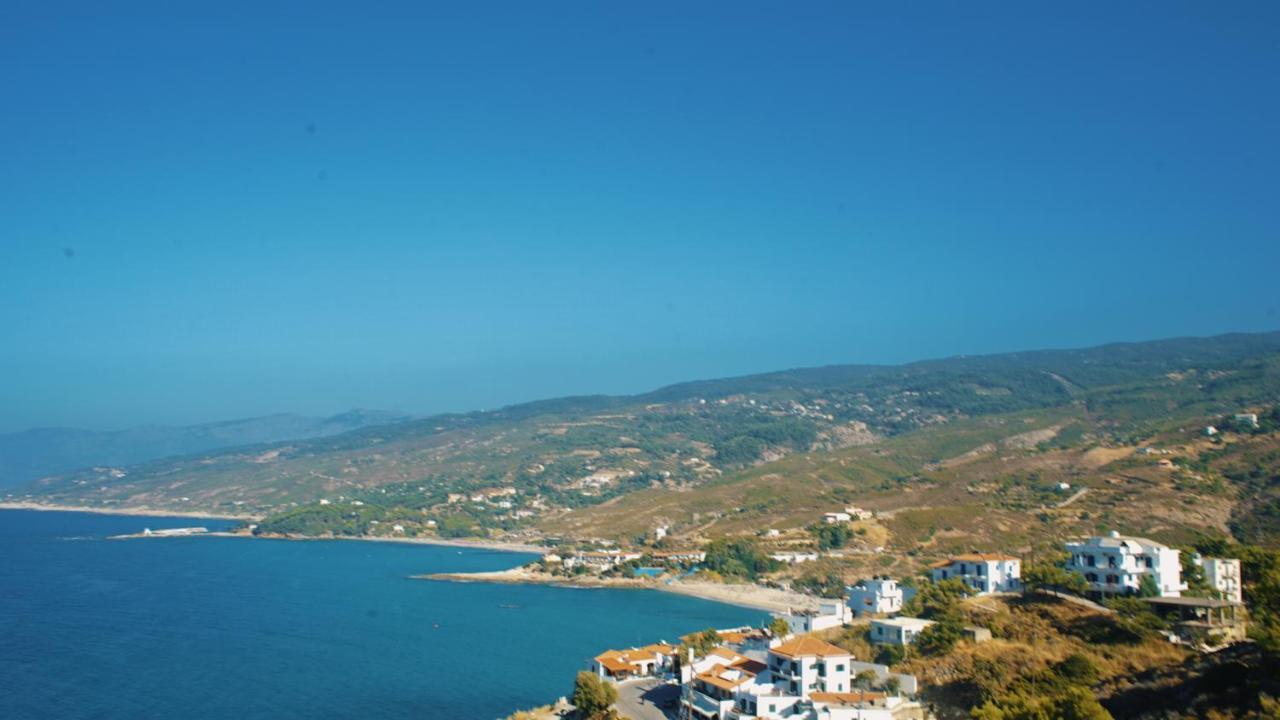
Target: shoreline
(755, 597)
(131, 511)
(499, 545)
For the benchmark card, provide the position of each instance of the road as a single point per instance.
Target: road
(642, 699)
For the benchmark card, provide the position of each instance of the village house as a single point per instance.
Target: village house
(832, 518)
(1115, 564)
(877, 596)
(802, 679)
(984, 572)
(901, 631)
(1223, 575)
(830, 613)
(636, 662)
(806, 664)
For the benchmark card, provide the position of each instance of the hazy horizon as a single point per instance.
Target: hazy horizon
(224, 212)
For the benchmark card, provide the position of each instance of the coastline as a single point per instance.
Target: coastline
(755, 597)
(132, 511)
(499, 545)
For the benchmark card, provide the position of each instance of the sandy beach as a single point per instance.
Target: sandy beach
(743, 595)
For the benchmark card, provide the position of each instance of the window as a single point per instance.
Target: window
(1092, 561)
(840, 668)
(982, 569)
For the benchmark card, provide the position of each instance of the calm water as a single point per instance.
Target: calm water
(246, 629)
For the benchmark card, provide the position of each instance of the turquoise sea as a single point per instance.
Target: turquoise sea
(246, 629)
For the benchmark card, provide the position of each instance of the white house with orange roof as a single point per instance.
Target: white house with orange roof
(984, 572)
(806, 664)
(634, 662)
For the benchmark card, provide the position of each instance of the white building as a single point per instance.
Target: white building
(806, 665)
(830, 613)
(600, 560)
(877, 596)
(802, 679)
(791, 558)
(634, 662)
(832, 518)
(858, 513)
(679, 556)
(984, 572)
(1115, 564)
(897, 631)
(1250, 419)
(1223, 575)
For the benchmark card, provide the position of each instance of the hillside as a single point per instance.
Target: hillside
(966, 447)
(36, 453)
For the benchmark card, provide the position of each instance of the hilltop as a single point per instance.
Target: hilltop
(950, 453)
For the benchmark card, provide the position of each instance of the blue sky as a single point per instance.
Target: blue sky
(252, 207)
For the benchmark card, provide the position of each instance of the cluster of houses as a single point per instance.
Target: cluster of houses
(752, 675)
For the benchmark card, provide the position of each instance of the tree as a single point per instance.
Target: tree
(593, 696)
(1147, 586)
(892, 686)
(865, 680)
(832, 535)
(703, 642)
(940, 638)
(934, 600)
(1052, 576)
(779, 627)
(890, 655)
(1077, 669)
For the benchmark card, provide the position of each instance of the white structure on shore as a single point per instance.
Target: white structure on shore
(1115, 564)
(600, 560)
(985, 573)
(897, 631)
(877, 596)
(1223, 575)
(830, 613)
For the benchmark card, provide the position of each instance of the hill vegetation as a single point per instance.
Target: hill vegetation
(951, 454)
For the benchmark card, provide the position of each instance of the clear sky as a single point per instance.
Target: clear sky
(250, 207)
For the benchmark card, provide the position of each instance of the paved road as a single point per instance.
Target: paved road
(643, 699)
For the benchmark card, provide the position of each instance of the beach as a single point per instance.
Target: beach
(756, 597)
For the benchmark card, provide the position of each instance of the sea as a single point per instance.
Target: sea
(248, 629)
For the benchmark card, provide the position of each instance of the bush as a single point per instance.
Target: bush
(593, 697)
(940, 638)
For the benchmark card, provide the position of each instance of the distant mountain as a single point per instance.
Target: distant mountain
(31, 454)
